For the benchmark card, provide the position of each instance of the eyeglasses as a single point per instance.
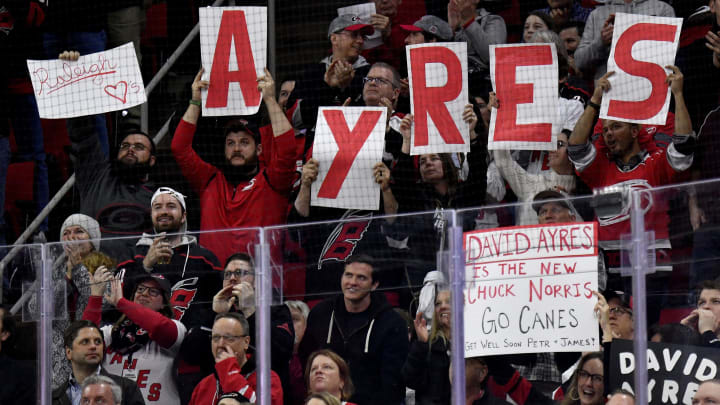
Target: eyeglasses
(227, 275)
(619, 311)
(227, 338)
(138, 147)
(377, 80)
(596, 378)
(153, 292)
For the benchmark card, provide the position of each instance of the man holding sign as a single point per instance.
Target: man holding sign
(626, 163)
(239, 193)
(627, 166)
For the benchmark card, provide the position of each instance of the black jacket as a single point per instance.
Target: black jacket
(375, 352)
(130, 392)
(426, 370)
(18, 382)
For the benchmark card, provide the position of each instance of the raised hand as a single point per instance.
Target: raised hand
(421, 328)
(266, 86)
(198, 84)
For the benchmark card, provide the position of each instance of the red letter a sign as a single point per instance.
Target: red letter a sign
(349, 141)
(438, 95)
(641, 48)
(233, 43)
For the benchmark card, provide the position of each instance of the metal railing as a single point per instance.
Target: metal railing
(144, 126)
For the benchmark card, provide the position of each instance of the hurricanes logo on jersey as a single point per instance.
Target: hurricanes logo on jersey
(344, 238)
(183, 293)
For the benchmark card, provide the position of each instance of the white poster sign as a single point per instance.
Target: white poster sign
(525, 79)
(438, 75)
(641, 48)
(94, 84)
(233, 45)
(349, 141)
(529, 289)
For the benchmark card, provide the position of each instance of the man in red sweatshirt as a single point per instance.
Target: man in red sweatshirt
(241, 192)
(234, 369)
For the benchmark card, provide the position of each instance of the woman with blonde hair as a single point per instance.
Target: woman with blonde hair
(428, 363)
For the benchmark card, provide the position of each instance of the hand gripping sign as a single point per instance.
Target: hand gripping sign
(94, 84)
(438, 95)
(641, 48)
(525, 79)
(349, 141)
(233, 43)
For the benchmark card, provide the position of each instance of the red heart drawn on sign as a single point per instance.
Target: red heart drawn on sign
(118, 91)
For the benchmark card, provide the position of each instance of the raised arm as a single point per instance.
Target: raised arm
(278, 119)
(583, 129)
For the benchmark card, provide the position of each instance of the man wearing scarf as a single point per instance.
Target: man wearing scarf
(247, 190)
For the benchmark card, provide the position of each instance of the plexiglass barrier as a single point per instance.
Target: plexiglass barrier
(27, 306)
(527, 310)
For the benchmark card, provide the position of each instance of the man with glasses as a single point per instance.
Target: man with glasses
(238, 295)
(114, 192)
(234, 367)
(192, 271)
(615, 316)
(339, 76)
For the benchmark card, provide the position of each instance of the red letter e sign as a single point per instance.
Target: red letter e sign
(525, 79)
(641, 48)
(233, 41)
(349, 141)
(438, 95)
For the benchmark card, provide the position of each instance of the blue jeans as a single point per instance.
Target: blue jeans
(55, 43)
(31, 147)
(4, 162)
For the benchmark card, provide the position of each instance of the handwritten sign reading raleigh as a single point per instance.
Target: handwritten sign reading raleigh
(94, 84)
(528, 289)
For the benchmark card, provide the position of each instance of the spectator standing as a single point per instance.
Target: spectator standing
(79, 25)
(364, 330)
(115, 192)
(241, 192)
(627, 165)
(480, 29)
(21, 40)
(338, 76)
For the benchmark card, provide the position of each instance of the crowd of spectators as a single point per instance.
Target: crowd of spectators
(166, 314)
